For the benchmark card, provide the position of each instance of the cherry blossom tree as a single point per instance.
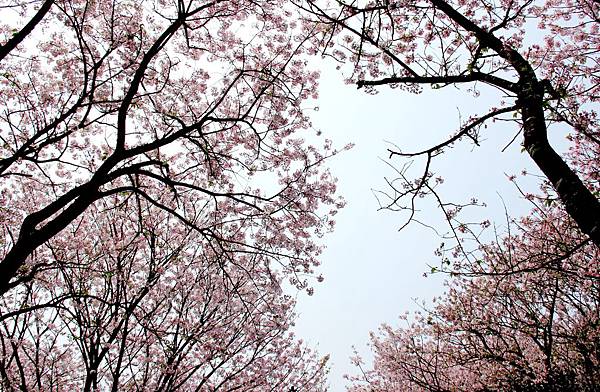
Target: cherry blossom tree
(154, 309)
(159, 195)
(521, 314)
(196, 107)
(522, 317)
(541, 83)
(525, 319)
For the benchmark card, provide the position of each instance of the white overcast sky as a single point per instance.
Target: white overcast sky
(372, 272)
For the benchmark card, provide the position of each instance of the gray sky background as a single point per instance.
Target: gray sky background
(372, 272)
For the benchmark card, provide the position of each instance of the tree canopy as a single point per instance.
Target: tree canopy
(162, 192)
(158, 195)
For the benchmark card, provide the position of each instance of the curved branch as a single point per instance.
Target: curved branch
(478, 122)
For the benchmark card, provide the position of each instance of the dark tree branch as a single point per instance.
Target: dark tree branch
(26, 30)
(444, 79)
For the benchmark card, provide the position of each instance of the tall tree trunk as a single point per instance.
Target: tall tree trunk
(578, 200)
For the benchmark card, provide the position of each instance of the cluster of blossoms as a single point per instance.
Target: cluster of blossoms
(158, 194)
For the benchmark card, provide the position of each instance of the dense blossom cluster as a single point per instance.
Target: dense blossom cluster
(523, 318)
(152, 310)
(158, 194)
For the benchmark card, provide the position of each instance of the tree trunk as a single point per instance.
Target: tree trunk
(578, 200)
